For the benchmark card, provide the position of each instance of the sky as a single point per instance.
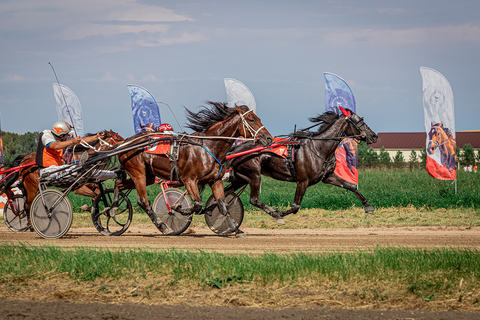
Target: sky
(182, 50)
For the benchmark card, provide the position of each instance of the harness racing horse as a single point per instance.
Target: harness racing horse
(200, 157)
(314, 161)
(442, 138)
(30, 175)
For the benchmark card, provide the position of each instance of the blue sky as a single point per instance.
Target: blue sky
(181, 51)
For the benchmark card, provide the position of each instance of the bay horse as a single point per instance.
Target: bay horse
(30, 175)
(200, 156)
(442, 138)
(314, 161)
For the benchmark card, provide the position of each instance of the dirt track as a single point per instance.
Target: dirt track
(263, 240)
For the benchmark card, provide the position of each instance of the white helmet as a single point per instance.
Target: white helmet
(60, 128)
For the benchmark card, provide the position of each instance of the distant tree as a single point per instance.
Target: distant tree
(459, 154)
(413, 160)
(384, 158)
(16, 144)
(468, 155)
(423, 157)
(367, 157)
(398, 160)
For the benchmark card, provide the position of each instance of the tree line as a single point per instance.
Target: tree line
(15, 144)
(369, 158)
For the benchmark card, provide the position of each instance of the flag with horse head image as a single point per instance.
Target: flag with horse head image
(439, 124)
(145, 111)
(339, 95)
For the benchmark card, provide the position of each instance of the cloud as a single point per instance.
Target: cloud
(408, 36)
(106, 77)
(13, 78)
(88, 30)
(75, 20)
(143, 79)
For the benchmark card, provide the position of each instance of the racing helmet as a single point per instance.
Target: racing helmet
(165, 127)
(60, 128)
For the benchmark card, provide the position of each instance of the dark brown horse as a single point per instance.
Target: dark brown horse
(30, 175)
(314, 161)
(200, 156)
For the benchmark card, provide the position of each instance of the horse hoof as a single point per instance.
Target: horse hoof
(280, 221)
(190, 231)
(165, 229)
(240, 235)
(369, 210)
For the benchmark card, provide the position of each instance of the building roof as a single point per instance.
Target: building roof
(416, 140)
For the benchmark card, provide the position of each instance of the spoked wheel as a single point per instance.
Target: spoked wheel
(15, 215)
(176, 221)
(221, 224)
(112, 218)
(48, 222)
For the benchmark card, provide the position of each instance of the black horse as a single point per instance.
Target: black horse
(313, 160)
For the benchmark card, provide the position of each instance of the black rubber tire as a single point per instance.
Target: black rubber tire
(16, 220)
(59, 222)
(176, 221)
(217, 222)
(108, 221)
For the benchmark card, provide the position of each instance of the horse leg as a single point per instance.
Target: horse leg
(86, 191)
(335, 180)
(255, 182)
(142, 200)
(299, 193)
(219, 194)
(193, 191)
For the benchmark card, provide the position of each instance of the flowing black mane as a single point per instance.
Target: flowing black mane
(207, 116)
(324, 121)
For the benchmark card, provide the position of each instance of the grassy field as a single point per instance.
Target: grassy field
(435, 279)
(383, 189)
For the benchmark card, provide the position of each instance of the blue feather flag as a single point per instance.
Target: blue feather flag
(145, 111)
(338, 94)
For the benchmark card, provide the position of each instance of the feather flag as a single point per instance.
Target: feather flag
(338, 94)
(439, 125)
(238, 94)
(69, 108)
(1, 144)
(145, 111)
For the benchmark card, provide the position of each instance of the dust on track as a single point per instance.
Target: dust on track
(262, 240)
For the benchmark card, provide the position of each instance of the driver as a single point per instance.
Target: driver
(51, 143)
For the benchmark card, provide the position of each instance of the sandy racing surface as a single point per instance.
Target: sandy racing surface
(262, 240)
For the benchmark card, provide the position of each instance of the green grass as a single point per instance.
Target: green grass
(382, 188)
(422, 270)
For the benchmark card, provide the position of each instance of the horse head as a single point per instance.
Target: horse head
(252, 126)
(357, 127)
(437, 136)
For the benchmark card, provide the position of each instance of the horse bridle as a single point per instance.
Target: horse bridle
(251, 130)
(358, 123)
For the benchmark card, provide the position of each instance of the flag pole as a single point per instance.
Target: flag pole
(173, 113)
(64, 100)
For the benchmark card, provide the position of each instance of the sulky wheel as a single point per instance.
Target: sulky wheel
(112, 218)
(221, 224)
(15, 215)
(51, 221)
(173, 219)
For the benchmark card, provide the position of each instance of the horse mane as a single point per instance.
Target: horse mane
(209, 115)
(324, 120)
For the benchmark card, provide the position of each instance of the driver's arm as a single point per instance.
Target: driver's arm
(63, 144)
